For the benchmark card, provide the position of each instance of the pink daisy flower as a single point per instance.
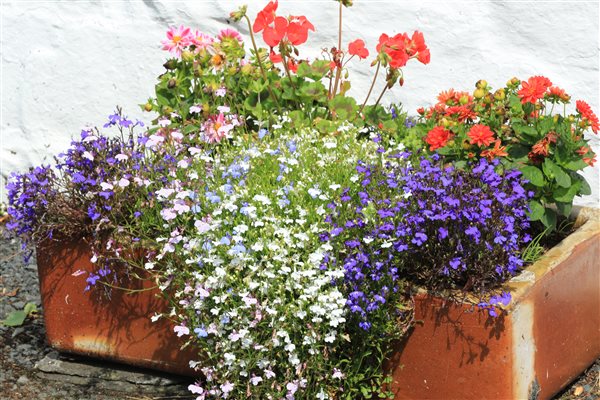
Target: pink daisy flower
(177, 39)
(230, 34)
(201, 40)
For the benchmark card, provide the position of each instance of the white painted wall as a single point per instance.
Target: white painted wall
(66, 64)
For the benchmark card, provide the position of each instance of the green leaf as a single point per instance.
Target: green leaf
(553, 171)
(549, 219)
(566, 195)
(537, 210)
(585, 189)
(564, 208)
(515, 104)
(15, 318)
(313, 90)
(343, 107)
(164, 97)
(533, 175)
(518, 152)
(575, 165)
(526, 130)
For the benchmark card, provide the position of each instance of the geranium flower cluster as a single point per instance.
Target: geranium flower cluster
(516, 124)
(433, 224)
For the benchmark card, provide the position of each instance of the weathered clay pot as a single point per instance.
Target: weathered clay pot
(549, 334)
(90, 324)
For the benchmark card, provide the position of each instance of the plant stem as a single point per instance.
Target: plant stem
(381, 95)
(371, 88)
(338, 72)
(262, 69)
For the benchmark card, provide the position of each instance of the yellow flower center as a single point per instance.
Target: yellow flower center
(176, 39)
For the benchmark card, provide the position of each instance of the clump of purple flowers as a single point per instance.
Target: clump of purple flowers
(28, 197)
(428, 223)
(94, 188)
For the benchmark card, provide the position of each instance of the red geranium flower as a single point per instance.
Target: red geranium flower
(357, 48)
(587, 114)
(481, 135)
(297, 30)
(395, 48)
(534, 89)
(265, 17)
(438, 137)
(272, 35)
(417, 46)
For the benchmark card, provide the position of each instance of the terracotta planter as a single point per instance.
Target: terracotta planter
(549, 334)
(118, 329)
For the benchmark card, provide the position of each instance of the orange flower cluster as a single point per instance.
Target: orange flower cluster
(542, 148)
(480, 135)
(587, 115)
(534, 89)
(438, 137)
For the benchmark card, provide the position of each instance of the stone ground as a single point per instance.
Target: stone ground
(29, 369)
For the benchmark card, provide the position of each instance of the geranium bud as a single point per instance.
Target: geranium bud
(239, 14)
(401, 81)
(170, 64)
(481, 84)
(187, 56)
(172, 83)
(148, 107)
(478, 93)
(499, 94)
(500, 111)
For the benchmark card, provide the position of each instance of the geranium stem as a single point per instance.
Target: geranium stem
(260, 65)
(371, 88)
(338, 72)
(381, 95)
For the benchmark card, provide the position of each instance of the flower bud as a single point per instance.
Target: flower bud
(247, 69)
(499, 94)
(172, 83)
(513, 82)
(148, 107)
(170, 64)
(445, 122)
(555, 118)
(239, 14)
(571, 118)
(464, 99)
(346, 3)
(187, 56)
(478, 93)
(481, 84)
(489, 99)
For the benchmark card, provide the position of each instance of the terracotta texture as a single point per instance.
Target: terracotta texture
(549, 334)
(117, 329)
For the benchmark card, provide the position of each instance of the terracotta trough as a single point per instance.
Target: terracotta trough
(117, 329)
(549, 334)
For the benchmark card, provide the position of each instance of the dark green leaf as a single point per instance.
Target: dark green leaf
(549, 219)
(566, 195)
(564, 208)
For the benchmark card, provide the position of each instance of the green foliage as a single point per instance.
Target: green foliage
(17, 318)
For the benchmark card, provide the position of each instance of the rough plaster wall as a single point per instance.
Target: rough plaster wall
(66, 64)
